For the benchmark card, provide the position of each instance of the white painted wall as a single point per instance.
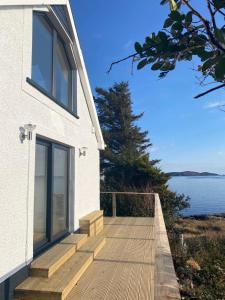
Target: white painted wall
(20, 104)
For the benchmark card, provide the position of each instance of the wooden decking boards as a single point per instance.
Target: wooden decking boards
(134, 263)
(124, 269)
(75, 239)
(93, 245)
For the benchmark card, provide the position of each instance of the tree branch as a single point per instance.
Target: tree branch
(134, 55)
(210, 90)
(217, 9)
(212, 14)
(121, 60)
(206, 24)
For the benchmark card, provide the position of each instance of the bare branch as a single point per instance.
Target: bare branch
(217, 9)
(221, 12)
(121, 60)
(210, 90)
(211, 14)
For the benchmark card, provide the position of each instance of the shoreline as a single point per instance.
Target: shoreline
(204, 216)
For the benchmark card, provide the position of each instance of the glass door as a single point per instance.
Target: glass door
(60, 190)
(41, 195)
(50, 194)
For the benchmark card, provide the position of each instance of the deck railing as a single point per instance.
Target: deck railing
(148, 196)
(165, 281)
(166, 285)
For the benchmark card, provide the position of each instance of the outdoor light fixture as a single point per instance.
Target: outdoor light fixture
(83, 151)
(27, 132)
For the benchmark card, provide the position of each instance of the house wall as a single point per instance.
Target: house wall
(20, 103)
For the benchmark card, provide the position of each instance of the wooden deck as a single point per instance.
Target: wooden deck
(129, 259)
(124, 269)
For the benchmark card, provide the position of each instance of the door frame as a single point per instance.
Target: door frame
(50, 239)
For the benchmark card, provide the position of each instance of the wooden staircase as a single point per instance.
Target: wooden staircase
(54, 274)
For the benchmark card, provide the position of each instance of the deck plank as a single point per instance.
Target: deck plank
(124, 269)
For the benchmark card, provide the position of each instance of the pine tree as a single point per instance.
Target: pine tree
(126, 163)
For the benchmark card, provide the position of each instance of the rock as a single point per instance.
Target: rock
(193, 264)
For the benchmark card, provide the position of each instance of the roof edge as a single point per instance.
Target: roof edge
(85, 83)
(33, 2)
(79, 59)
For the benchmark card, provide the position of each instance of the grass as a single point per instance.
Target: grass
(199, 257)
(210, 227)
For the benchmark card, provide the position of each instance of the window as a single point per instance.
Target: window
(62, 75)
(42, 53)
(51, 69)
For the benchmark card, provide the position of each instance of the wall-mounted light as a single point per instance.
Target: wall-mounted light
(26, 132)
(83, 151)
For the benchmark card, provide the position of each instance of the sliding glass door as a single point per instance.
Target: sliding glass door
(60, 190)
(40, 195)
(51, 194)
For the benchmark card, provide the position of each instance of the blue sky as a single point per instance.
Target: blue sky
(187, 134)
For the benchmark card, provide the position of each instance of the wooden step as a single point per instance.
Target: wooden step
(60, 284)
(92, 224)
(48, 263)
(75, 239)
(93, 245)
(92, 217)
(99, 226)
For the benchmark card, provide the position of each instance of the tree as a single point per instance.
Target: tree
(126, 164)
(187, 32)
(126, 156)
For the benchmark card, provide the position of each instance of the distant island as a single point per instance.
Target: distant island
(191, 173)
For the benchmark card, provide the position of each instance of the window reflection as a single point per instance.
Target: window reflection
(40, 194)
(62, 74)
(42, 53)
(51, 69)
(59, 191)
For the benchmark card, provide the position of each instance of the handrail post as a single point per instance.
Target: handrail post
(114, 204)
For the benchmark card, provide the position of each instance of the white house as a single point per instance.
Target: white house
(49, 133)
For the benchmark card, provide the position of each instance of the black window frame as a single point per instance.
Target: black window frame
(72, 98)
(52, 239)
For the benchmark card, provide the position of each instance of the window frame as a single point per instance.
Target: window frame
(72, 86)
(52, 239)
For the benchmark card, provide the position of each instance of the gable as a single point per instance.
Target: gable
(63, 12)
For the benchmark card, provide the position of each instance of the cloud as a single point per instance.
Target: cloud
(212, 105)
